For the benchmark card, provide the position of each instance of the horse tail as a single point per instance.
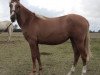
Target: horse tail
(87, 45)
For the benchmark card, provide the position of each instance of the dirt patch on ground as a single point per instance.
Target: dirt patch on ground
(45, 53)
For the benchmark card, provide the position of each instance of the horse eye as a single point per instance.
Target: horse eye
(18, 6)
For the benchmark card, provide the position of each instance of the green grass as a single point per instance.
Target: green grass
(15, 57)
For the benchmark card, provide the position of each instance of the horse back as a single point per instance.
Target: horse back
(4, 25)
(78, 25)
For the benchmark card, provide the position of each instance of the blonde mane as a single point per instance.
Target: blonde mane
(40, 16)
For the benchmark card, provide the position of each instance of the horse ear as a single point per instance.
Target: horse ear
(18, 0)
(14, 0)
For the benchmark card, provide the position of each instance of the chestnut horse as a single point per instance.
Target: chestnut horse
(52, 31)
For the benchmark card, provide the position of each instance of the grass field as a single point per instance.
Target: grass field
(15, 57)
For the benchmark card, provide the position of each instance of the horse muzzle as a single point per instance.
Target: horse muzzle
(13, 16)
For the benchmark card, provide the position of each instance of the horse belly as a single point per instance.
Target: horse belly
(54, 39)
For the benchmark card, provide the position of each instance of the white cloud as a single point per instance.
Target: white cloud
(57, 5)
(64, 6)
(91, 8)
(1, 10)
(52, 4)
(4, 10)
(87, 8)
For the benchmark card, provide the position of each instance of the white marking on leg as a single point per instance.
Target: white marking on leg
(84, 70)
(72, 70)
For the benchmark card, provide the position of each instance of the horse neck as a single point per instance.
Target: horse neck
(24, 16)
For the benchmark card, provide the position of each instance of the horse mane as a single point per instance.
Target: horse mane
(37, 15)
(40, 16)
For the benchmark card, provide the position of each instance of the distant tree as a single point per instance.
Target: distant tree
(99, 31)
(92, 31)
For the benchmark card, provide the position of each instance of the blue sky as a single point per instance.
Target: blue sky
(54, 8)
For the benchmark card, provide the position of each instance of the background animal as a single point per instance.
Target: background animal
(6, 25)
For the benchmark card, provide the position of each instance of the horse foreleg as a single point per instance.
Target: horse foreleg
(9, 33)
(39, 61)
(35, 56)
(9, 36)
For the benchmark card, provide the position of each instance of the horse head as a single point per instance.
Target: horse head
(14, 9)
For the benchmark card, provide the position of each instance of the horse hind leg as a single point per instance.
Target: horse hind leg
(76, 56)
(84, 59)
(83, 54)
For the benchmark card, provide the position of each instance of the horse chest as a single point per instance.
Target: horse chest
(29, 36)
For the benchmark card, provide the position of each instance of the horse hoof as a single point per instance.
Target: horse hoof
(83, 74)
(32, 74)
(40, 73)
(70, 73)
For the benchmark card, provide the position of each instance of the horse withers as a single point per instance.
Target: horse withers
(6, 26)
(52, 31)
